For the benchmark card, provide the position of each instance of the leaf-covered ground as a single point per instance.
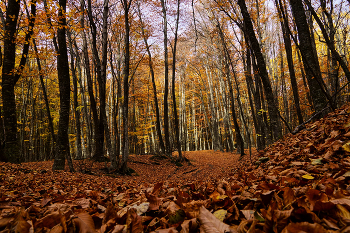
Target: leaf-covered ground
(298, 184)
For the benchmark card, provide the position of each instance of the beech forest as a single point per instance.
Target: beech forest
(175, 116)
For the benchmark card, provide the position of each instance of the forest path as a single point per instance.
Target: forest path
(204, 166)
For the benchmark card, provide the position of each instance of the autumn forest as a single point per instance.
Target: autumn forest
(174, 116)
(105, 79)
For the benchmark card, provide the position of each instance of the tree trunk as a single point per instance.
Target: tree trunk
(63, 150)
(150, 64)
(239, 138)
(98, 148)
(329, 39)
(166, 82)
(288, 47)
(271, 99)
(75, 100)
(311, 65)
(124, 168)
(10, 76)
(176, 119)
(260, 139)
(45, 97)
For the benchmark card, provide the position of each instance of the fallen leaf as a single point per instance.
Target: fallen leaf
(84, 223)
(304, 227)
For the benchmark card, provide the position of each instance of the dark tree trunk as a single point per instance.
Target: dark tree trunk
(63, 150)
(176, 119)
(288, 47)
(260, 107)
(116, 104)
(260, 141)
(10, 76)
(329, 39)
(87, 151)
(75, 100)
(239, 138)
(97, 154)
(311, 65)
(47, 105)
(124, 168)
(166, 82)
(100, 71)
(271, 99)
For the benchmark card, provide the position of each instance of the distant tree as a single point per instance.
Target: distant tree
(150, 64)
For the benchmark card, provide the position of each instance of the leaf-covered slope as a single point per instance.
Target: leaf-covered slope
(300, 185)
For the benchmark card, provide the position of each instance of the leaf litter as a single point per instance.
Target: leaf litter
(298, 184)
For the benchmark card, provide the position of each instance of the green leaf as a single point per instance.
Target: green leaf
(258, 217)
(179, 216)
(316, 161)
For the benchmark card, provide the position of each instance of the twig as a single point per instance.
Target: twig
(133, 161)
(190, 171)
(302, 126)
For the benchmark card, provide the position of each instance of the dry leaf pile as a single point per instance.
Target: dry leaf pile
(298, 184)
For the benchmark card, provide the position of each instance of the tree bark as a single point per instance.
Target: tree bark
(98, 144)
(45, 97)
(289, 52)
(311, 65)
(260, 140)
(271, 99)
(10, 76)
(329, 42)
(75, 100)
(63, 150)
(166, 82)
(155, 98)
(124, 168)
(176, 119)
(239, 138)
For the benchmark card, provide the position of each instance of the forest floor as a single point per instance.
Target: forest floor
(298, 184)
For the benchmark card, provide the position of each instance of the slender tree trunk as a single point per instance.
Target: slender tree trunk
(150, 64)
(239, 138)
(45, 97)
(98, 144)
(124, 168)
(116, 108)
(176, 119)
(63, 150)
(259, 106)
(10, 76)
(75, 100)
(271, 99)
(166, 82)
(260, 140)
(101, 77)
(288, 47)
(329, 39)
(311, 64)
